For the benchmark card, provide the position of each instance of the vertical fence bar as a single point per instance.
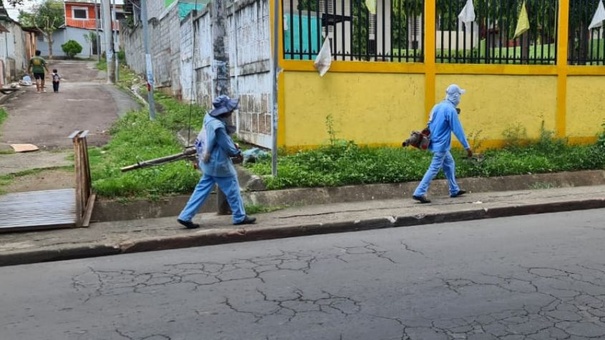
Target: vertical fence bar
(343, 27)
(429, 47)
(384, 45)
(334, 42)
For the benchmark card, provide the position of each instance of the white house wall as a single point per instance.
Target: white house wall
(61, 36)
(12, 51)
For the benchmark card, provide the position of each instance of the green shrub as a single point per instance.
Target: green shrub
(71, 48)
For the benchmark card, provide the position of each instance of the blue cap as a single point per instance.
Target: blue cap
(222, 105)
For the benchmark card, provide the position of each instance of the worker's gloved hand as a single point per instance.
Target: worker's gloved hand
(237, 159)
(469, 153)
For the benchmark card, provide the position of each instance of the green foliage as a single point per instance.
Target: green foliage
(71, 48)
(135, 138)
(3, 115)
(308, 5)
(121, 56)
(601, 138)
(102, 65)
(514, 136)
(349, 164)
(178, 115)
(47, 16)
(253, 209)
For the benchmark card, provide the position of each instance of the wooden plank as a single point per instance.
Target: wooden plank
(88, 213)
(35, 210)
(24, 147)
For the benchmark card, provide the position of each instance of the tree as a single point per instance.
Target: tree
(47, 17)
(92, 39)
(71, 48)
(14, 3)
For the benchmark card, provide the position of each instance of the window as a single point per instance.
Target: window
(79, 13)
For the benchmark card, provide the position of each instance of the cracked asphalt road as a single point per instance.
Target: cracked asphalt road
(529, 277)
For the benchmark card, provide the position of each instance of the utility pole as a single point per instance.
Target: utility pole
(114, 43)
(221, 55)
(148, 64)
(221, 76)
(274, 92)
(97, 38)
(107, 29)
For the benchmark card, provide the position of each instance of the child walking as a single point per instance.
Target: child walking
(56, 79)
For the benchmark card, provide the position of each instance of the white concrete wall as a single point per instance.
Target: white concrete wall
(203, 60)
(183, 59)
(164, 46)
(188, 88)
(250, 69)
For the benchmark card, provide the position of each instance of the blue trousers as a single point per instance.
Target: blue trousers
(441, 160)
(228, 185)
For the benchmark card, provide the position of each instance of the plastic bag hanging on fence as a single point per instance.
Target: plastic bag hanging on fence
(324, 58)
(598, 17)
(371, 5)
(467, 14)
(522, 22)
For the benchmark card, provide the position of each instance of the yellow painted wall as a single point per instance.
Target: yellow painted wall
(370, 109)
(585, 106)
(495, 103)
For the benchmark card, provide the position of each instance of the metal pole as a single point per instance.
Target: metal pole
(274, 94)
(107, 32)
(148, 64)
(97, 39)
(113, 41)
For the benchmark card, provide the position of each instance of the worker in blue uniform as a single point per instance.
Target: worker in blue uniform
(214, 149)
(443, 121)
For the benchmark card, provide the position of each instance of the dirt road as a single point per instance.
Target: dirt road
(85, 101)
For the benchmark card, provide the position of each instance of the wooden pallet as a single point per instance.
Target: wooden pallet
(36, 210)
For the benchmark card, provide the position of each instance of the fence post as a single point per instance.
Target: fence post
(84, 196)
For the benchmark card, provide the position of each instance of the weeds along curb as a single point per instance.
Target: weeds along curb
(106, 211)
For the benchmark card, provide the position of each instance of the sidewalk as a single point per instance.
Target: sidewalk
(121, 237)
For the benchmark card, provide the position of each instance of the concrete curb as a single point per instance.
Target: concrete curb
(214, 237)
(105, 210)
(5, 97)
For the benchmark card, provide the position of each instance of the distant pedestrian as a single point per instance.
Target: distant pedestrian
(37, 65)
(443, 120)
(56, 79)
(214, 149)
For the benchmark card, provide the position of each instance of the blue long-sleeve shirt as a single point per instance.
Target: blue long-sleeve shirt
(443, 121)
(214, 143)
